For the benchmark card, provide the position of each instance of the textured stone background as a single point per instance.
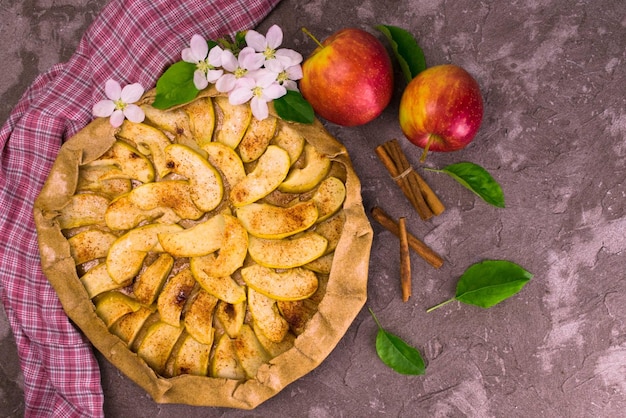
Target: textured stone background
(553, 76)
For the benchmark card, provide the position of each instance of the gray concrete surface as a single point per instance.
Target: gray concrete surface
(553, 74)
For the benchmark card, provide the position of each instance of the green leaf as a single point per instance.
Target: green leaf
(396, 353)
(478, 180)
(490, 282)
(408, 53)
(293, 107)
(176, 86)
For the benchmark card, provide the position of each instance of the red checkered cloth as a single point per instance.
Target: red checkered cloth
(130, 41)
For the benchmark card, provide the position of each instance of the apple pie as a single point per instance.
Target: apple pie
(212, 257)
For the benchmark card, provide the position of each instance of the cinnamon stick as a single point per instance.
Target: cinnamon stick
(413, 194)
(404, 166)
(405, 261)
(421, 249)
(435, 205)
(416, 181)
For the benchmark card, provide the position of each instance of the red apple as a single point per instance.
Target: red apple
(441, 109)
(348, 79)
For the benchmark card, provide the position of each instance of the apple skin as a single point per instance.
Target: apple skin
(348, 81)
(441, 105)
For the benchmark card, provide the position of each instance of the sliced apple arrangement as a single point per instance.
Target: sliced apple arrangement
(205, 237)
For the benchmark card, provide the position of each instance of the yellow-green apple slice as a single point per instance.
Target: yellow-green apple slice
(272, 348)
(127, 327)
(222, 287)
(173, 194)
(113, 305)
(192, 357)
(226, 160)
(329, 197)
(234, 122)
(123, 214)
(174, 121)
(290, 140)
(232, 251)
(288, 252)
(150, 281)
(130, 163)
(321, 265)
(224, 363)
(270, 171)
(199, 317)
(90, 244)
(231, 316)
(266, 316)
(97, 281)
(127, 253)
(201, 239)
(157, 345)
(291, 284)
(83, 209)
(331, 229)
(249, 351)
(206, 183)
(264, 220)
(316, 167)
(201, 119)
(89, 180)
(149, 141)
(297, 313)
(174, 295)
(257, 138)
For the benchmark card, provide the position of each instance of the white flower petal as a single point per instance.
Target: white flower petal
(188, 56)
(247, 82)
(274, 36)
(264, 78)
(103, 108)
(294, 72)
(134, 113)
(250, 60)
(112, 89)
(215, 56)
(225, 83)
(255, 40)
(239, 95)
(199, 47)
(200, 80)
(274, 92)
(131, 93)
(290, 85)
(259, 108)
(229, 61)
(213, 75)
(289, 57)
(274, 65)
(117, 118)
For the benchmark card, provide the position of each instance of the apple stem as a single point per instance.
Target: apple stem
(308, 32)
(430, 141)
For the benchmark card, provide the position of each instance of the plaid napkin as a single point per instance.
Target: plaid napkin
(131, 41)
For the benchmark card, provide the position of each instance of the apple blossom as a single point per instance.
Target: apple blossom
(238, 67)
(286, 72)
(259, 88)
(207, 62)
(120, 103)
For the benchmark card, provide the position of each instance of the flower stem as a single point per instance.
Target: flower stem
(445, 302)
(308, 32)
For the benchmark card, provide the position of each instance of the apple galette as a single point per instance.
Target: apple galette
(205, 239)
